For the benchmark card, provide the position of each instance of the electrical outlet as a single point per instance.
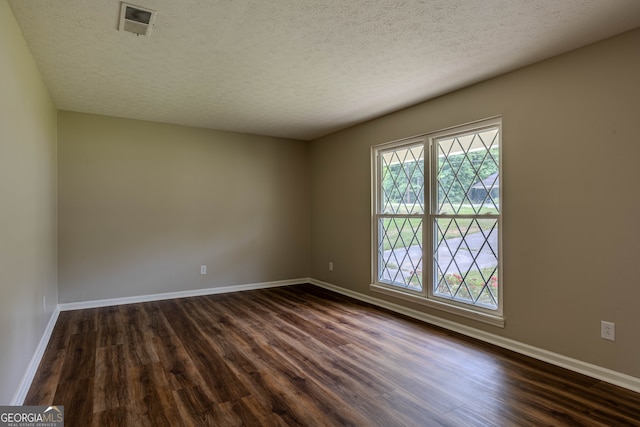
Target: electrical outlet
(330, 265)
(44, 302)
(608, 331)
(203, 269)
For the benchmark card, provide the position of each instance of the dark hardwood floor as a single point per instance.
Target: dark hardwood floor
(300, 355)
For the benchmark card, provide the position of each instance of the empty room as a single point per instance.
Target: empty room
(320, 213)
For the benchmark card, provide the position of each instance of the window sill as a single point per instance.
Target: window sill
(491, 319)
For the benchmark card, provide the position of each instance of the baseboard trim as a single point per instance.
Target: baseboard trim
(181, 294)
(607, 375)
(32, 368)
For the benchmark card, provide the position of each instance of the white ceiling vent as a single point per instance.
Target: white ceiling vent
(136, 19)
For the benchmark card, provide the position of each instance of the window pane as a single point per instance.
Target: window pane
(468, 180)
(466, 260)
(400, 252)
(402, 179)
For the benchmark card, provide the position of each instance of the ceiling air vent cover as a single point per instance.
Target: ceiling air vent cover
(135, 19)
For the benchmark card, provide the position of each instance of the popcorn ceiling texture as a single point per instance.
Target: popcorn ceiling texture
(295, 68)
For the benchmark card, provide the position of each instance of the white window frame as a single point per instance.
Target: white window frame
(426, 296)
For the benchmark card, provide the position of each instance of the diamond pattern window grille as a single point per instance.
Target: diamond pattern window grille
(466, 218)
(444, 187)
(400, 216)
(468, 174)
(403, 181)
(400, 252)
(466, 260)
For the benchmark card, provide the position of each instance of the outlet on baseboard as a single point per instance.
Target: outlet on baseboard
(608, 331)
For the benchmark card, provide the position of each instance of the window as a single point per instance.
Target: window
(437, 220)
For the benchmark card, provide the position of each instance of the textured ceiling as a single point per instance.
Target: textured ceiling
(295, 68)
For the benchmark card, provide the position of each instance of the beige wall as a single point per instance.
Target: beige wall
(27, 206)
(143, 205)
(571, 182)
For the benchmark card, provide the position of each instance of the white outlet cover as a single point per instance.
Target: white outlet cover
(608, 331)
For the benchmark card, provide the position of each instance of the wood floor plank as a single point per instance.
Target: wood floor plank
(110, 386)
(213, 368)
(112, 327)
(79, 360)
(110, 418)
(83, 321)
(177, 365)
(193, 404)
(77, 399)
(158, 324)
(301, 356)
(46, 379)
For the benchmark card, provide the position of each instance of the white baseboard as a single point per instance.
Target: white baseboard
(25, 384)
(181, 294)
(594, 371)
